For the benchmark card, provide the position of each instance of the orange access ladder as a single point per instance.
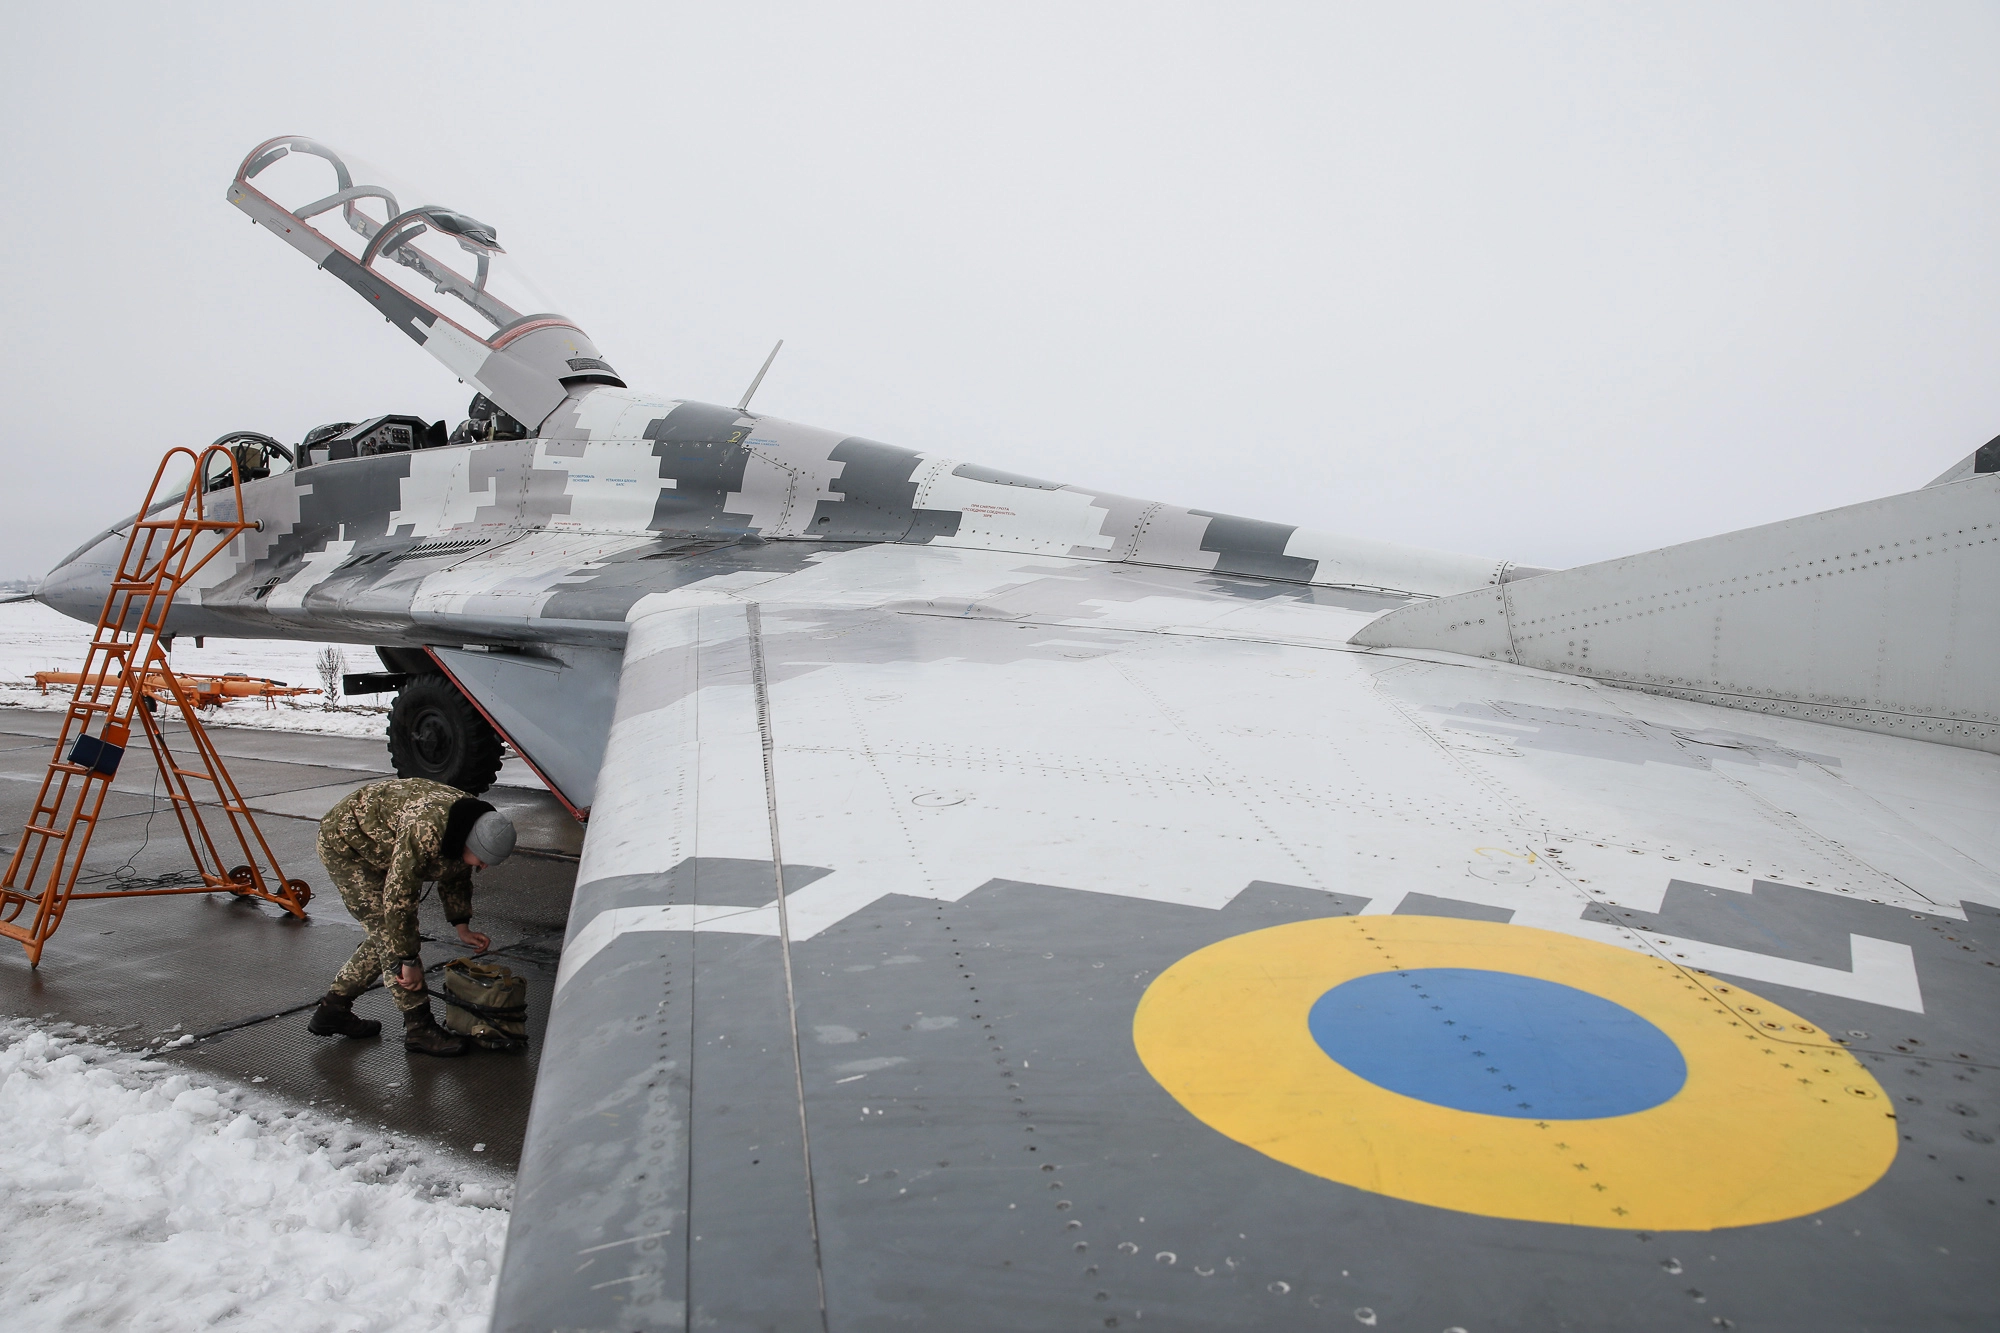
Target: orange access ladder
(126, 659)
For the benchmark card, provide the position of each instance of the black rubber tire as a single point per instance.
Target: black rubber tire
(435, 733)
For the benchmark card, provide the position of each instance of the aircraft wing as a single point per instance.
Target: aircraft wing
(979, 940)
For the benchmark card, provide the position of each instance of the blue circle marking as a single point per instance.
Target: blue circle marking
(1496, 1043)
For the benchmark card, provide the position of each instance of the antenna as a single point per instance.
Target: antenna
(750, 392)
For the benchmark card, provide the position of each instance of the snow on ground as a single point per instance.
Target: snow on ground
(134, 1196)
(35, 638)
(137, 1197)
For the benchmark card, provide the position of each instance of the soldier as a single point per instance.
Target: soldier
(379, 844)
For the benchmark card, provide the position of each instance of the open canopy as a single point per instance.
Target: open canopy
(439, 274)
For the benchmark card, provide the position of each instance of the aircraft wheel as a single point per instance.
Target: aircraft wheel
(436, 733)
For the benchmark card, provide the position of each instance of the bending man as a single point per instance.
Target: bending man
(379, 844)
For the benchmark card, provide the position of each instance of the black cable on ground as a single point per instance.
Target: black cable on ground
(125, 872)
(508, 949)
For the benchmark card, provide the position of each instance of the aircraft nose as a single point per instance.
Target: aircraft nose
(78, 586)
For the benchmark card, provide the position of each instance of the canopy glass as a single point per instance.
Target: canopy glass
(444, 260)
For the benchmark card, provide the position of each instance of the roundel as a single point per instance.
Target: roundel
(1513, 1072)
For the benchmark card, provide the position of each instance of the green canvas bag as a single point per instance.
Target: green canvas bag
(486, 1002)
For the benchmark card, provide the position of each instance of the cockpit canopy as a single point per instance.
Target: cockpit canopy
(438, 273)
(438, 256)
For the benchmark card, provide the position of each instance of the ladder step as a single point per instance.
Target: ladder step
(117, 671)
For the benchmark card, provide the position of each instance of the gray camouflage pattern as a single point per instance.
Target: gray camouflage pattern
(345, 549)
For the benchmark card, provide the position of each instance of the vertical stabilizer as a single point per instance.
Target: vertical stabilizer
(1881, 616)
(1984, 459)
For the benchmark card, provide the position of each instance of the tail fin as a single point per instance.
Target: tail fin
(1879, 616)
(1986, 458)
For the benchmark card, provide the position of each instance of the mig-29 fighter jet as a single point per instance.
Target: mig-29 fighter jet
(1009, 905)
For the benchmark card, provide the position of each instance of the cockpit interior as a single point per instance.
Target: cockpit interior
(258, 455)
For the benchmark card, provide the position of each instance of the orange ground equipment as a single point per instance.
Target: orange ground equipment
(205, 690)
(126, 663)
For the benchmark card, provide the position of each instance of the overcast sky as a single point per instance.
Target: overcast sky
(1544, 282)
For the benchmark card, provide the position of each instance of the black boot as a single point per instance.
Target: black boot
(422, 1034)
(335, 1018)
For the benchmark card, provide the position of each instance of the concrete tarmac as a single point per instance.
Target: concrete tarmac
(241, 977)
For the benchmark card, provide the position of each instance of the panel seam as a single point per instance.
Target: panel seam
(760, 681)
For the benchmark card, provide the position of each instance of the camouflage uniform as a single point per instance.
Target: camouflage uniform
(379, 844)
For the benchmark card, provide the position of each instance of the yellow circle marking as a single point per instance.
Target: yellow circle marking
(1765, 1128)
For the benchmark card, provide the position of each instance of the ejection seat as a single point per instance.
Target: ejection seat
(256, 456)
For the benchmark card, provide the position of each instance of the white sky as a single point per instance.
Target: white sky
(1546, 282)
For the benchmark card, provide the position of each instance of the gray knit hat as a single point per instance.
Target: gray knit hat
(491, 838)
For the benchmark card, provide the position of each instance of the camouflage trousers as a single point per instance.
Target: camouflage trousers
(360, 886)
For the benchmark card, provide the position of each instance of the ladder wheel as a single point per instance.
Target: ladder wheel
(301, 890)
(436, 733)
(241, 875)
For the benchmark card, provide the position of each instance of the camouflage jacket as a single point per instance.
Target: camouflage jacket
(397, 827)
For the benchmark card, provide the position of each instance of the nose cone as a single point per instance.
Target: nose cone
(78, 586)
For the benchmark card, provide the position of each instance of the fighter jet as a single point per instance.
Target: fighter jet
(1010, 905)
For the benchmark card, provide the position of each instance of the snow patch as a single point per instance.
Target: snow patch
(35, 638)
(134, 1196)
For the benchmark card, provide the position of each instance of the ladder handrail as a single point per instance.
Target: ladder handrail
(158, 559)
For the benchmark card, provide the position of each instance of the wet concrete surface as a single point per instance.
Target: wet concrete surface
(241, 976)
